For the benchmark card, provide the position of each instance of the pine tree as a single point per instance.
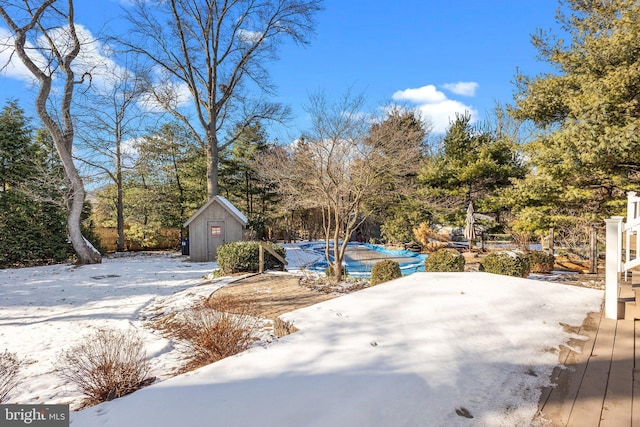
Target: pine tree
(472, 165)
(588, 111)
(32, 215)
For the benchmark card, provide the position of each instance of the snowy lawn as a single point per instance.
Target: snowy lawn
(430, 349)
(44, 310)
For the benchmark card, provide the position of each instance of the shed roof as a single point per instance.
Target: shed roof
(225, 204)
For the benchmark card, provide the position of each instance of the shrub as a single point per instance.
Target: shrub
(220, 328)
(106, 365)
(9, 366)
(383, 271)
(444, 260)
(509, 263)
(541, 261)
(282, 328)
(330, 272)
(239, 257)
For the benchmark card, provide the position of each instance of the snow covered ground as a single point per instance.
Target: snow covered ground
(428, 349)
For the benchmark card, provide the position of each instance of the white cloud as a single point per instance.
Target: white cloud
(425, 94)
(249, 37)
(94, 57)
(462, 88)
(167, 94)
(435, 106)
(10, 64)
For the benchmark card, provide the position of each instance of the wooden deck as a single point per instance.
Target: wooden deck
(598, 386)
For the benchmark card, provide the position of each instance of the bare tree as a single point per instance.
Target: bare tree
(111, 117)
(211, 53)
(346, 166)
(46, 42)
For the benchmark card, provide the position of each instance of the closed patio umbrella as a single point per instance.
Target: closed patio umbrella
(469, 226)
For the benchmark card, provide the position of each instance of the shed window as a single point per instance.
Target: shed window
(215, 231)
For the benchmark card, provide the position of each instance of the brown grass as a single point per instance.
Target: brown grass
(9, 365)
(219, 328)
(106, 365)
(283, 328)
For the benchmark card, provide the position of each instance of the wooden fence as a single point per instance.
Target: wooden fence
(165, 238)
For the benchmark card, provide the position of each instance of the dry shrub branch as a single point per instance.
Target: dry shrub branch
(9, 365)
(220, 328)
(106, 365)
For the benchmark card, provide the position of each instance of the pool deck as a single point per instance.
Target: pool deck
(599, 385)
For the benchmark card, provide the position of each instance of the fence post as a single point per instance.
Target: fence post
(593, 250)
(632, 205)
(260, 258)
(612, 266)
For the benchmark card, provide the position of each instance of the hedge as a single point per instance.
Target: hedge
(241, 257)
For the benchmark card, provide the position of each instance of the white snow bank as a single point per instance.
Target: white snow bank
(410, 352)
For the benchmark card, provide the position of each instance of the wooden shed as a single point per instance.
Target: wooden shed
(215, 223)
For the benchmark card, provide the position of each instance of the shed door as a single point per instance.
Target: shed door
(215, 238)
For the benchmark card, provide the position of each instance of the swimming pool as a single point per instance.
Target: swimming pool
(360, 257)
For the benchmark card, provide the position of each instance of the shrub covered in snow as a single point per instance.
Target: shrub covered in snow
(444, 260)
(106, 365)
(240, 257)
(9, 365)
(541, 261)
(508, 263)
(385, 270)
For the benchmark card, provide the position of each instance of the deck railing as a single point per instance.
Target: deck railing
(620, 258)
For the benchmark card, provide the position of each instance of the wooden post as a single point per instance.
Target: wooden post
(260, 258)
(612, 266)
(262, 247)
(593, 250)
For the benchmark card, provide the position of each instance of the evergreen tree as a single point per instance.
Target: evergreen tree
(239, 180)
(32, 215)
(472, 165)
(586, 155)
(166, 185)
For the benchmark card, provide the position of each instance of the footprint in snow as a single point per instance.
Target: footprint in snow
(463, 412)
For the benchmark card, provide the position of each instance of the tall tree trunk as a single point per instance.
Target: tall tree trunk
(85, 251)
(212, 163)
(62, 134)
(119, 200)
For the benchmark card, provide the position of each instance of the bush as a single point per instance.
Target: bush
(222, 327)
(509, 263)
(541, 261)
(240, 257)
(444, 260)
(330, 272)
(106, 365)
(383, 271)
(9, 366)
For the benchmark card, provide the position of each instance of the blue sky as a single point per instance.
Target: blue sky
(414, 52)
